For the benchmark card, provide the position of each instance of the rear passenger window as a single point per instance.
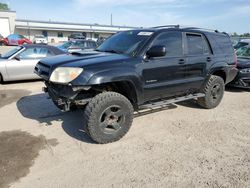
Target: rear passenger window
(194, 44)
(172, 41)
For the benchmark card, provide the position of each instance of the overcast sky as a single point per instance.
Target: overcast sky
(224, 15)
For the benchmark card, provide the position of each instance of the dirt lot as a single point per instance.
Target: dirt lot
(185, 146)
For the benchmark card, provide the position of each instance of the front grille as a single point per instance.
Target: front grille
(43, 70)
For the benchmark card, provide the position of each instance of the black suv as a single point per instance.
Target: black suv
(140, 69)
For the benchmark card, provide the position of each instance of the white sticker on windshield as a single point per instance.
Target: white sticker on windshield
(144, 33)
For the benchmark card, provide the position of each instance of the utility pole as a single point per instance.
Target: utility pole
(111, 19)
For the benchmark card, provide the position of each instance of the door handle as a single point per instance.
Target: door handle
(209, 59)
(181, 61)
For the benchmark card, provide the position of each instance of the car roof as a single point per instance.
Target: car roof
(54, 49)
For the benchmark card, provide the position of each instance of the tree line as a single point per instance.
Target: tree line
(4, 6)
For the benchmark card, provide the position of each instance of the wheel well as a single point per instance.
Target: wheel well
(221, 74)
(125, 88)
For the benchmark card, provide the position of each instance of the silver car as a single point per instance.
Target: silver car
(19, 62)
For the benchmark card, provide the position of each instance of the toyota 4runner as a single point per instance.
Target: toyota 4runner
(140, 69)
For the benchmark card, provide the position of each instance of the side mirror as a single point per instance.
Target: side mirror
(157, 51)
(17, 58)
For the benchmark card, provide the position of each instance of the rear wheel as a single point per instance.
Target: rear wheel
(108, 117)
(214, 91)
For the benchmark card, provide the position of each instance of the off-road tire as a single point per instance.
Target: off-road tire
(97, 116)
(210, 100)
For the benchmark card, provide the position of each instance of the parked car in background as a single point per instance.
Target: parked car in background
(40, 39)
(242, 43)
(15, 40)
(2, 40)
(19, 62)
(77, 45)
(100, 40)
(74, 36)
(242, 80)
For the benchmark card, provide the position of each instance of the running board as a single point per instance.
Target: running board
(163, 103)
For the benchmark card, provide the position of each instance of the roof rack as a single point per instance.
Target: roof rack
(167, 26)
(182, 27)
(199, 28)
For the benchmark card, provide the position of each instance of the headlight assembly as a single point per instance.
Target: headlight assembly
(65, 74)
(245, 70)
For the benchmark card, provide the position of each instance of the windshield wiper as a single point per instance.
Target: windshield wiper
(110, 51)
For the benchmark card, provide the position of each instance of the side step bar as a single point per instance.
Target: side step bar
(163, 103)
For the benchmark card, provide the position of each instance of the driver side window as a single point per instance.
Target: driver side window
(172, 41)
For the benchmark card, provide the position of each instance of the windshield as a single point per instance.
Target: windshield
(11, 52)
(127, 42)
(243, 52)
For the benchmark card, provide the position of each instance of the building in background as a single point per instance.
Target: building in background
(54, 31)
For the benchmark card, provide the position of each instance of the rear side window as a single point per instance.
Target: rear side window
(221, 43)
(172, 41)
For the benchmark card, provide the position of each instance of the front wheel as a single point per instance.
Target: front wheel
(214, 91)
(108, 117)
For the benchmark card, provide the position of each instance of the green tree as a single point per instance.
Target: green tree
(4, 6)
(234, 34)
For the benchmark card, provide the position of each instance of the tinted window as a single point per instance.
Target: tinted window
(220, 43)
(194, 44)
(35, 53)
(172, 41)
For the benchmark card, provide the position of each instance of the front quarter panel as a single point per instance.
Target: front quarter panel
(110, 76)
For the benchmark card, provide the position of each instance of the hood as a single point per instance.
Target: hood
(84, 59)
(243, 63)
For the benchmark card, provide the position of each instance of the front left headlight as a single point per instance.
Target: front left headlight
(65, 74)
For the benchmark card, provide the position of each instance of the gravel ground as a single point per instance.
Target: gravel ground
(184, 146)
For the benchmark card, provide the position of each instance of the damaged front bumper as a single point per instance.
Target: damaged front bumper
(66, 97)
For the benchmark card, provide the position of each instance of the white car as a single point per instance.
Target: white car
(20, 61)
(40, 39)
